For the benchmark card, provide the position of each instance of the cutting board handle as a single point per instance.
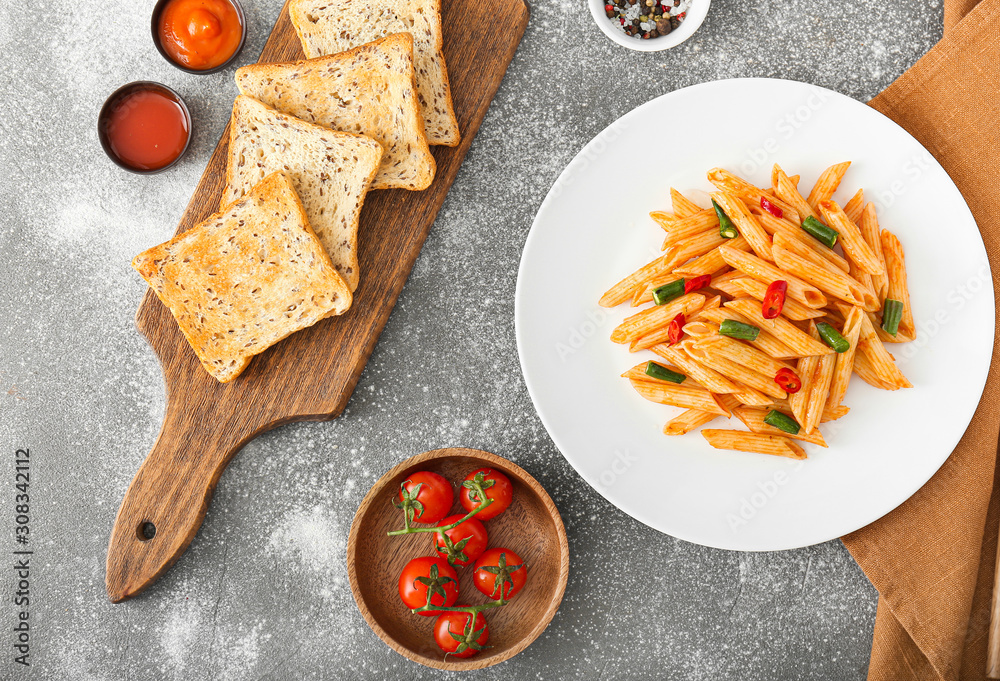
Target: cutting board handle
(167, 500)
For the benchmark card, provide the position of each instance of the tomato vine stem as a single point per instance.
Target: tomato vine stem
(409, 529)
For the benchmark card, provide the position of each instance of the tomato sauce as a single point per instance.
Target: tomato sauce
(200, 34)
(147, 128)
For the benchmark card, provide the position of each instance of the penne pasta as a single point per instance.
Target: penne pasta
(690, 226)
(774, 227)
(782, 329)
(765, 342)
(711, 262)
(698, 245)
(755, 288)
(879, 358)
(678, 396)
(753, 418)
(688, 420)
(746, 224)
(752, 398)
(895, 266)
(834, 414)
(805, 293)
(803, 251)
(831, 282)
(743, 441)
(682, 205)
(638, 372)
(730, 375)
(744, 354)
(622, 291)
(700, 329)
(819, 390)
(788, 193)
(867, 373)
(663, 219)
(872, 236)
(707, 377)
(845, 360)
(798, 402)
(827, 184)
(663, 333)
(736, 372)
(651, 319)
(725, 180)
(853, 208)
(851, 240)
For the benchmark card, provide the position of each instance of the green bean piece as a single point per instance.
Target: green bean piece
(892, 313)
(727, 230)
(664, 294)
(782, 422)
(738, 330)
(817, 229)
(662, 373)
(832, 337)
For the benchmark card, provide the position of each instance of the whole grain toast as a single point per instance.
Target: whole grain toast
(368, 90)
(248, 276)
(330, 171)
(331, 26)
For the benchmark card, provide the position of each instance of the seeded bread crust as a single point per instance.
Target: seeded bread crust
(245, 278)
(331, 172)
(368, 90)
(330, 26)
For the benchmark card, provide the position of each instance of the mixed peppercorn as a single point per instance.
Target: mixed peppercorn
(645, 18)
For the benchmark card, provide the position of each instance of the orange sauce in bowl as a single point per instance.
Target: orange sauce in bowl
(200, 34)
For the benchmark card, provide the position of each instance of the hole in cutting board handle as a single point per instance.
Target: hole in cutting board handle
(145, 531)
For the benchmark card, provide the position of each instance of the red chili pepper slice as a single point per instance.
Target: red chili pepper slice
(675, 330)
(697, 283)
(788, 381)
(609, 8)
(770, 207)
(774, 299)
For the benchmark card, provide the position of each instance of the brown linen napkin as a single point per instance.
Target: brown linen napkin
(955, 11)
(932, 559)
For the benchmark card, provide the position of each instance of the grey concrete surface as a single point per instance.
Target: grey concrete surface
(262, 592)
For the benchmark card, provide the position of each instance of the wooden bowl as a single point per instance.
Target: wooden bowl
(531, 527)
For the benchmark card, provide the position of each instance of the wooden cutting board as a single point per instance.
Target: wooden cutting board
(310, 375)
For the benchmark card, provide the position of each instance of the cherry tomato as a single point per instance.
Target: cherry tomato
(465, 543)
(771, 208)
(676, 329)
(429, 496)
(459, 635)
(774, 299)
(428, 573)
(497, 487)
(787, 380)
(697, 283)
(500, 568)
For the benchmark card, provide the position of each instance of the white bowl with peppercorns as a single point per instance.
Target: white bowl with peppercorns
(649, 25)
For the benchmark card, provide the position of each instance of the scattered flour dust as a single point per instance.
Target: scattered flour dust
(180, 633)
(241, 655)
(312, 536)
(184, 639)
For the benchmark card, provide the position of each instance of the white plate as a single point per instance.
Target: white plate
(593, 228)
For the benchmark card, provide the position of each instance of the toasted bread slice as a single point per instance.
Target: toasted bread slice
(368, 90)
(330, 171)
(245, 278)
(331, 26)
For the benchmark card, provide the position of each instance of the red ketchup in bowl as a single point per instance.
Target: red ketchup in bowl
(145, 128)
